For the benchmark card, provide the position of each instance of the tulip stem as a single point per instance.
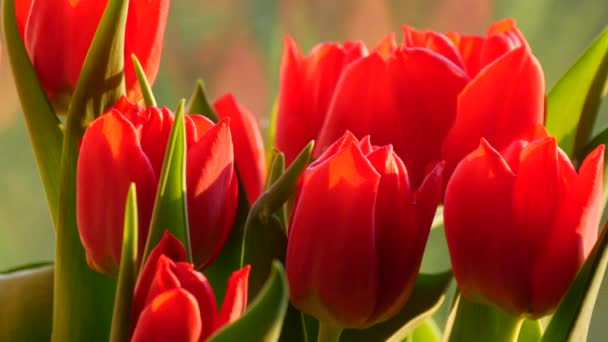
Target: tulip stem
(479, 322)
(329, 332)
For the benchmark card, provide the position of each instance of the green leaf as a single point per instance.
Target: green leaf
(271, 131)
(530, 331)
(479, 322)
(199, 104)
(573, 102)
(428, 331)
(78, 288)
(121, 318)
(426, 298)
(263, 319)
(43, 126)
(170, 208)
(146, 90)
(277, 168)
(27, 304)
(571, 320)
(265, 237)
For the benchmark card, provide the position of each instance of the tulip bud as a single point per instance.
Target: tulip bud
(519, 223)
(57, 35)
(127, 145)
(173, 302)
(432, 97)
(357, 234)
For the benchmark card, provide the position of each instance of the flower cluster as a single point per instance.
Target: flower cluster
(399, 130)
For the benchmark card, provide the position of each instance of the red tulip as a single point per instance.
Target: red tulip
(127, 144)
(57, 35)
(307, 87)
(432, 97)
(173, 302)
(357, 234)
(519, 223)
(249, 152)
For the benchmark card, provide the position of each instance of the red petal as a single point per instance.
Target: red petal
(505, 101)
(478, 227)
(435, 42)
(168, 246)
(197, 285)
(331, 254)
(249, 153)
(110, 160)
(387, 46)
(212, 192)
(363, 104)
(22, 12)
(155, 132)
(470, 48)
(171, 316)
(565, 248)
(144, 38)
(235, 300)
(425, 87)
(307, 87)
(196, 127)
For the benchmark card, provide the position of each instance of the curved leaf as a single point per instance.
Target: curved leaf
(121, 318)
(43, 126)
(428, 331)
(571, 320)
(170, 208)
(263, 319)
(531, 331)
(573, 102)
(27, 304)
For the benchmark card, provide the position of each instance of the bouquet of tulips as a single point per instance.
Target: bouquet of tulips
(186, 225)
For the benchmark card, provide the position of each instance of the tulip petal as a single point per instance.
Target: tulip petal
(196, 127)
(155, 131)
(363, 104)
(171, 316)
(197, 285)
(478, 224)
(331, 254)
(249, 152)
(432, 41)
(396, 261)
(235, 299)
(111, 159)
(505, 101)
(572, 238)
(470, 49)
(425, 87)
(212, 192)
(22, 12)
(307, 87)
(168, 246)
(144, 38)
(386, 46)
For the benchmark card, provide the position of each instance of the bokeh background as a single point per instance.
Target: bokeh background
(236, 45)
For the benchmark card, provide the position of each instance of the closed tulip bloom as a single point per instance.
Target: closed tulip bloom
(57, 35)
(357, 234)
(173, 302)
(127, 145)
(249, 154)
(432, 97)
(520, 222)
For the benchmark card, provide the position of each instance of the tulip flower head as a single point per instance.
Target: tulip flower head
(432, 97)
(127, 145)
(357, 233)
(57, 35)
(520, 222)
(173, 302)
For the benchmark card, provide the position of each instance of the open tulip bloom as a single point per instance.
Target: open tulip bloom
(160, 215)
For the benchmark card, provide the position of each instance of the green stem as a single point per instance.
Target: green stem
(328, 332)
(479, 322)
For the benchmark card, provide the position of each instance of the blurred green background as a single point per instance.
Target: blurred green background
(235, 45)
